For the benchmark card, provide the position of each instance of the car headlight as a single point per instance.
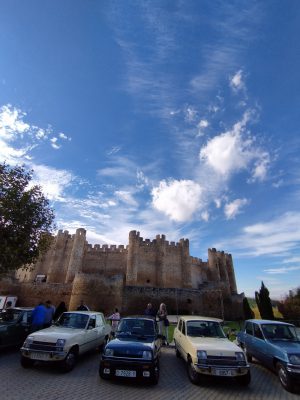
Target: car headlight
(60, 344)
(201, 355)
(108, 352)
(240, 356)
(147, 355)
(294, 358)
(28, 341)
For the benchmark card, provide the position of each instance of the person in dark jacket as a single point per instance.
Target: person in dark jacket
(61, 308)
(149, 311)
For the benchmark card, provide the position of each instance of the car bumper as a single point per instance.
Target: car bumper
(128, 369)
(42, 355)
(222, 370)
(293, 371)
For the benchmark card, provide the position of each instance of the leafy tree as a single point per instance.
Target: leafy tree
(248, 312)
(264, 303)
(290, 306)
(26, 219)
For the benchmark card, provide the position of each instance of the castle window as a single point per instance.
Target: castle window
(189, 301)
(148, 280)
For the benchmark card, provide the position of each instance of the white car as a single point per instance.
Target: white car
(74, 333)
(201, 342)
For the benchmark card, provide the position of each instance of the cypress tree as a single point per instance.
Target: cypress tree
(248, 312)
(263, 302)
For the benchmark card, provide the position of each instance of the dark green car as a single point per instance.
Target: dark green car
(14, 326)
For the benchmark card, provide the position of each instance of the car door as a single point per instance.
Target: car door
(259, 346)
(183, 345)
(248, 337)
(91, 334)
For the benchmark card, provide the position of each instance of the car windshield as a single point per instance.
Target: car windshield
(136, 327)
(279, 332)
(10, 315)
(73, 320)
(205, 329)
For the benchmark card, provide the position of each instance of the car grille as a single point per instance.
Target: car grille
(127, 354)
(44, 346)
(228, 361)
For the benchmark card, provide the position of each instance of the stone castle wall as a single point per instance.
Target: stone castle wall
(105, 276)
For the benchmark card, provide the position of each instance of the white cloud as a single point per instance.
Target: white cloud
(277, 237)
(205, 216)
(233, 151)
(126, 197)
(177, 199)
(236, 81)
(114, 150)
(54, 143)
(11, 122)
(282, 270)
(232, 209)
(203, 123)
(53, 181)
(291, 260)
(218, 203)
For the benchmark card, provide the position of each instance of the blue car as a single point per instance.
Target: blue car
(276, 345)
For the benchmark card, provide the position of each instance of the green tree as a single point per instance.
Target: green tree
(264, 303)
(26, 219)
(248, 312)
(290, 306)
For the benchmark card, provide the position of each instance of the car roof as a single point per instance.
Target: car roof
(22, 308)
(199, 318)
(139, 317)
(83, 312)
(268, 321)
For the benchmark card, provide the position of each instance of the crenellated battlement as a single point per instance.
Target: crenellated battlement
(160, 240)
(104, 248)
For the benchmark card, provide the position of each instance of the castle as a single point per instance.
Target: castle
(129, 277)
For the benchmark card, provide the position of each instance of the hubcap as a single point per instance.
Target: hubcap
(282, 376)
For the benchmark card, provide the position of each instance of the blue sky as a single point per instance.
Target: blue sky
(167, 117)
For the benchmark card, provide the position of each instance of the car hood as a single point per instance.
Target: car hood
(215, 346)
(122, 343)
(54, 332)
(289, 346)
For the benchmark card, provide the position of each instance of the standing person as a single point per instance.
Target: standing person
(38, 317)
(50, 310)
(82, 307)
(61, 308)
(149, 311)
(115, 318)
(163, 322)
(8, 314)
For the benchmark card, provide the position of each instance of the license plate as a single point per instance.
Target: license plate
(39, 356)
(224, 372)
(125, 373)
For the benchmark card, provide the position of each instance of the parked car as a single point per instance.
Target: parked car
(73, 334)
(135, 351)
(14, 326)
(202, 343)
(274, 344)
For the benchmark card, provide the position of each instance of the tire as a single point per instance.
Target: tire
(193, 375)
(26, 362)
(177, 351)
(284, 377)
(155, 377)
(248, 355)
(244, 380)
(69, 362)
(101, 347)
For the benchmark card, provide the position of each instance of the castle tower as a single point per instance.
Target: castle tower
(132, 258)
(76, 257)
(231, 274)
(185, 263)
(213, 267)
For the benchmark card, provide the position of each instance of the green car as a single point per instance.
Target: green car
(14, 326)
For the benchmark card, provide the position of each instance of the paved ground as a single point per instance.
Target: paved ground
(83, 383)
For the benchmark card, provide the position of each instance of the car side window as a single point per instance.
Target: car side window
(92, 322)
(180, 325)
(99, 320)
(257, 332)
(248, 328)
(183, 327)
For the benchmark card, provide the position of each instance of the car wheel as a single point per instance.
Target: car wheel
(177, 351)
(69, 362)
(248, 355)
(26, 362)
(155, 376)
(193, 375)
(244, 380)
(102, 346)
(284, 377)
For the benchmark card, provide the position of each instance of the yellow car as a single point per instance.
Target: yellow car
(202, 343)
